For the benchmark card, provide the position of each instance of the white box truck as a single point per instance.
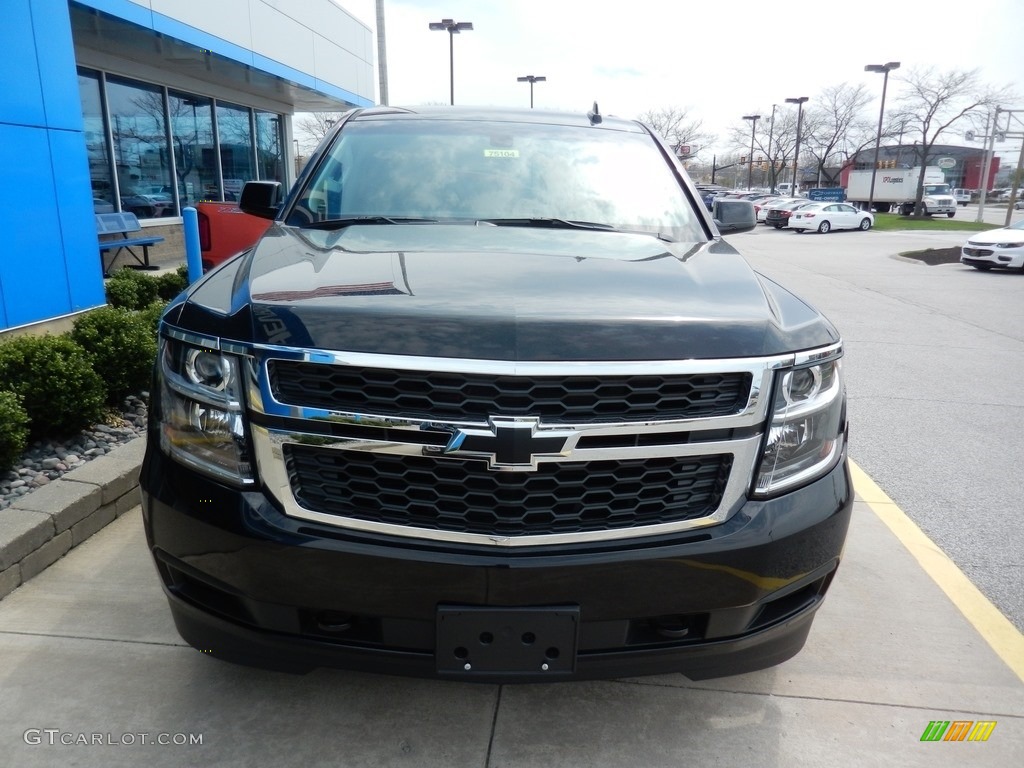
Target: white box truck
(897, 188)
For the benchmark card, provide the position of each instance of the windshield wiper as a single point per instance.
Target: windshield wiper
(349, 221)
(556, 223)
(550, 221)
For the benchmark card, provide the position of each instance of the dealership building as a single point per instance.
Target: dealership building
(962, 166)
(147, 106)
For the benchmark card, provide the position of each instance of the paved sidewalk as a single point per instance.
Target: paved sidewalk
(42, 526)
(89, 649)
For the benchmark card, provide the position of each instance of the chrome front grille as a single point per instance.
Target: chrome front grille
(513, 454)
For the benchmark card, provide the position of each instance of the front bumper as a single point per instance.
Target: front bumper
(251, 585)
(990, 255)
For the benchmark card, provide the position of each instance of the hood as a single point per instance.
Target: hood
(503, 293)
(996, 236)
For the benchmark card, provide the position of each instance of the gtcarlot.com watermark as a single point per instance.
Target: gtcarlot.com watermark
(55, 736)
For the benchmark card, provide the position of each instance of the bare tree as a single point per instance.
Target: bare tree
(933, 102)
(312, 128)
(677, 127)
(774, 143)
(837, 126)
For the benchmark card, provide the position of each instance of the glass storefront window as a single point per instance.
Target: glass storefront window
(214, 153)
(141, 158)
(96, 148)
(236, 155)
(270, 159)
(194, 153)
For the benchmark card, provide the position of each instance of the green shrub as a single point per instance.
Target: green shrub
(13, 429)
(131, 289)
(122, 293)
(151, 315)
(54, 376)
(122, 349)
(170, 284)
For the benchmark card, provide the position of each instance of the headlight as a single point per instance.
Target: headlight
(201, 411)
(1009, 245)
(805, 435)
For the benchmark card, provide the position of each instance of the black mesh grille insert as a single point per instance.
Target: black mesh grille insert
(442, 396)
(466, 497)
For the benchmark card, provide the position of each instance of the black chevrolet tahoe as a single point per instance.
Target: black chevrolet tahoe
(492, 400)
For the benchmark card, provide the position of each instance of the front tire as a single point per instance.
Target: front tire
(824, 227)
(951, 214)
(865, 224)
(778, 226)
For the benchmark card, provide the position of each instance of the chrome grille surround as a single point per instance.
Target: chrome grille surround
(739, 434)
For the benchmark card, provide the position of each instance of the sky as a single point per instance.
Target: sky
(719, 60)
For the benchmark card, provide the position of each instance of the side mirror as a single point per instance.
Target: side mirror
(734, 215)
(261, 198)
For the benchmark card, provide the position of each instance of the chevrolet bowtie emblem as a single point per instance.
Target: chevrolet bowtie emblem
(511, 444)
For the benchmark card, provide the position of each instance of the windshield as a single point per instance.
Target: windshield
(470, 170)
(936, 189)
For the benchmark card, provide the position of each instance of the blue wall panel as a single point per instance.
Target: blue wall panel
(32, 269)
(77, 220)
(49, 265)
(56, 56)
(21, 99)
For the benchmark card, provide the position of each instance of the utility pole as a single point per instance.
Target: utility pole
(990, 136)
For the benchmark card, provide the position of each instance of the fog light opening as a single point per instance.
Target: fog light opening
(672, 627)
(334, 621)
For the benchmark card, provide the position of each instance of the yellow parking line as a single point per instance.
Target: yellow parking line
(992, 625)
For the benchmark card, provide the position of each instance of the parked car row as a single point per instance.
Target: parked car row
(802, 215)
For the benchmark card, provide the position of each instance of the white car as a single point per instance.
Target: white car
(996, 248)
(824, 217)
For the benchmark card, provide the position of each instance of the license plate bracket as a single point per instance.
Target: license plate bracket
(475, 640)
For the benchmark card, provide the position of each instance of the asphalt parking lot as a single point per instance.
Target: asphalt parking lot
(933, 356)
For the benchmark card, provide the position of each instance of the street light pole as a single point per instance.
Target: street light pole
(885, 69)
(750, 158)
(531, 79)
(799, 101)
(452, 28)
(771, 159)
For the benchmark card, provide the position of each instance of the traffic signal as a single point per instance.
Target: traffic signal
(743, 159)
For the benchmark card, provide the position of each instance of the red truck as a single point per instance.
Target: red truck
(224, 231)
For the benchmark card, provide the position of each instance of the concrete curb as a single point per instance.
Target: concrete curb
(43, 526)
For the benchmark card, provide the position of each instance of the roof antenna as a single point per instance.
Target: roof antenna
(594, 115)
